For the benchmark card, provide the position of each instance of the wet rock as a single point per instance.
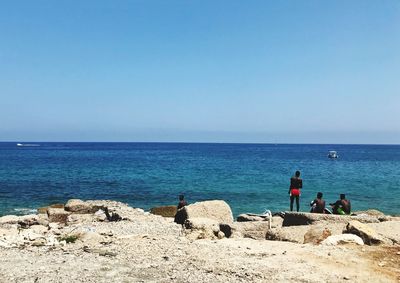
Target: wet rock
(57, 215)
(335, 240)
(316, 235)
(165, 211)
(217, 210)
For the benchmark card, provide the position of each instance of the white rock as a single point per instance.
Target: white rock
(335, 240)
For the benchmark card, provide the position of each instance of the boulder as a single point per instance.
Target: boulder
(247, 217)
(368, 234)
(165, 211)
(43, 210)
(57, 215)
(305, 218)
(293, 234)
(217, 210)
(28, 220)
(335, 240)
(315, 235)
(201, 228)
(251, 229)
(80, 206)
(9, 219)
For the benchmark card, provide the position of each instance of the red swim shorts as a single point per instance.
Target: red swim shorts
(295, 192)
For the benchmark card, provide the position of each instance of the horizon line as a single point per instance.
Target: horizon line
(200, 142)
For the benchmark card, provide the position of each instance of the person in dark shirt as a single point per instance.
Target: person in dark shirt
(182, 202)
(296, 183)
(341, 206)
(318, 205)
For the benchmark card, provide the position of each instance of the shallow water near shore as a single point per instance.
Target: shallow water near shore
(250, 177)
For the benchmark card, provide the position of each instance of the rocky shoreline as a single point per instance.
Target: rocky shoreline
(109, 241)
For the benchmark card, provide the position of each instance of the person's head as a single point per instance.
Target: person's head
(181, 197)
(319, 195)
(342, 196)
(297, 174)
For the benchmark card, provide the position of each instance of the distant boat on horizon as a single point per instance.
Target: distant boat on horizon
(27, 144)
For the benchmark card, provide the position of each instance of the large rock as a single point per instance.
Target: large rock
(316, 235)
(58, 215)
(217, 210)
(43, 210)
(305, 218)
(368, 234)
(201, 228)
(293, 234)
(28, 220)
(335, 240)
(24, 221)
(165, 211)
(251, 229)
(9, 219)
(248, 217)
(80, 206)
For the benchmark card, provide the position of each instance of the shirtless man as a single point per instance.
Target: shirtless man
(296, 183)
(318, 205)
(341, 206)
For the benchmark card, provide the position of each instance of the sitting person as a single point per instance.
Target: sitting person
(341, 206)
(318, 205)
(182, 202)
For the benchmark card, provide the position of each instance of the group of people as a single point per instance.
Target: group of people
(341, 206)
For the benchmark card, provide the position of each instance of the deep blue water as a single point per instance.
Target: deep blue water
(250, 177)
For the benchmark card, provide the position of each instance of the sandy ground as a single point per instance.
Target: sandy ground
(153, 249)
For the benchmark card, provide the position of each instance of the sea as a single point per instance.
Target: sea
(249, 177)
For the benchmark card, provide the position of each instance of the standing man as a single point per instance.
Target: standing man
(296, 183)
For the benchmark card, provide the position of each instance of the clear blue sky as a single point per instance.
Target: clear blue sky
(223, 71)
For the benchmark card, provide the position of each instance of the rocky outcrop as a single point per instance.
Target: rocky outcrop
(165, 211)
(254, 229)
(217, 210)
(79, 206)
(304, 218)
(58, 215)
(293, 234)
(247, 217)
(201, 228)
(335, 240)
(368, 234)
(315, 235)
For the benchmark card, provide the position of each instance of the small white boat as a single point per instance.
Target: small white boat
(333, 154)
(27, 144)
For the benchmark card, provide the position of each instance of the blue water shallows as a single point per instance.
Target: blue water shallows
(250, 177)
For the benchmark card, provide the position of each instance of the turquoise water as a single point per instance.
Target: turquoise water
(250, 177)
